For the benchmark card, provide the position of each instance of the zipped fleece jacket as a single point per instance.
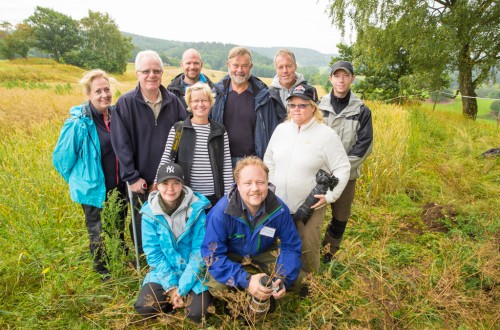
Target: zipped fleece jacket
(177, 88)
(228, 232)
(295, 155)
(280, 93)
(77, 157)
(267, 116)
(175, 262)
(354, 127)
(138, 138)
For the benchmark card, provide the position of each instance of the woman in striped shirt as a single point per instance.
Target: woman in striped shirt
(202, 147)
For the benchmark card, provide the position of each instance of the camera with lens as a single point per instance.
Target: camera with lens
(324, 182)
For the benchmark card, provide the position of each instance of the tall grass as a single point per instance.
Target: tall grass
(420, 250)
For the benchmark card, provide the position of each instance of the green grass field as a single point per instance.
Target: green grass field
(420, 250)
(484, 113)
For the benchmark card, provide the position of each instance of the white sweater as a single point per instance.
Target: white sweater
(295, 155)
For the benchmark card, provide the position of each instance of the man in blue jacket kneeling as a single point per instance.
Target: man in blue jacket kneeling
(250, 234)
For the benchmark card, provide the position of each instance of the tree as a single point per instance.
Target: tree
(17, 43)
(103, 46)
(55, 33)
(439, 35)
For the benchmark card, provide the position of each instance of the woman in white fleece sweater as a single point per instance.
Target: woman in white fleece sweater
(299, 148)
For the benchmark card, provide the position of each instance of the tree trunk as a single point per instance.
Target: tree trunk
(466, 85)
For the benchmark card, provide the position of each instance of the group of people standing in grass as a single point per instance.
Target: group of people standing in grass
(217, 172)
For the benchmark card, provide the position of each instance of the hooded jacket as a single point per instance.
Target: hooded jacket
(138, 138)
(267, 116)
(354, 127)
(77, 157)
(280, 93)
(177, 88)
(228, 232)
(175, 262)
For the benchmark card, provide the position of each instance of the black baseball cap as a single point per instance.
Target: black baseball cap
(170, 171)
(342, 65)
(304, 91)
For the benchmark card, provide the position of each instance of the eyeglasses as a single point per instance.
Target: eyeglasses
(148, 72)
(200, 101)
(301, 106)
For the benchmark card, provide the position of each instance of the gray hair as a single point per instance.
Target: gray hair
(285, 51)
(147, 54)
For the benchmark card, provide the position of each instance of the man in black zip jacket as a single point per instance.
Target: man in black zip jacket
(140, 126)
(191, 65)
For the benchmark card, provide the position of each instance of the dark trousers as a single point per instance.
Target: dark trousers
(94, 229)
(152, 300)
(341, 211)
(138, 200)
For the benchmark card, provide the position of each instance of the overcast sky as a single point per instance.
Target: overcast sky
(260, 23)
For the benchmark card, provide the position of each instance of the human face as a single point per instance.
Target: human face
(285, 69)
(253, 186)
(341, 82)
(191, 65)
(100, 94)
(170, 190)
(150, 82)
(300, 116)
(239, 69)
(200, 106)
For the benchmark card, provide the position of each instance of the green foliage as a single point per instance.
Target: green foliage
(55, 33)
(495, 106)
(113, 224)
(24, 84)
(417, 44)
(63, 89)
(103, 46)
(17, 43)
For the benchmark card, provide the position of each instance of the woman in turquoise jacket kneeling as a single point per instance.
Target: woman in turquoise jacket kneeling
(173, 227)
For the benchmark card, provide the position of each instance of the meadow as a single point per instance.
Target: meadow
(421, 250)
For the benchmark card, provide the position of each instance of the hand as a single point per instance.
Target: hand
(281, 293)
(258, 290)
(176, 299)
(320, 203)
(138, 186)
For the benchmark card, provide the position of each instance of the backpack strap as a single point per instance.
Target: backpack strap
(177, 139)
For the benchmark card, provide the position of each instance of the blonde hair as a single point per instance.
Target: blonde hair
(239, 51)
(249, 161)
(199, 86)
(317, 114)
(90, 76)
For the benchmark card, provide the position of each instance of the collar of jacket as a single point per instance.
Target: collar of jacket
(303, 127)
(166, 97)
(215, 128)
(234, 208)
(354, 103)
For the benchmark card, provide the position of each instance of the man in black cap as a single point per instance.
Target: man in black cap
(352, 120)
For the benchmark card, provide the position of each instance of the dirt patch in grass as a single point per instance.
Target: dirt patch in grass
(434, 216)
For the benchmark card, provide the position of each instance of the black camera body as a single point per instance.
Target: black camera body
(324, 182)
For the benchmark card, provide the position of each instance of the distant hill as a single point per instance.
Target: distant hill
(304, 56)
(215, 53)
